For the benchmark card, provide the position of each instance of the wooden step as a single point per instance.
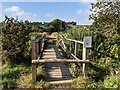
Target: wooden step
(55, 73)
(59, 75)
(49, 53)
(57, 70)
(52, 81)
(48, 57)
(49, 50)
(55, 76)
(58, 78)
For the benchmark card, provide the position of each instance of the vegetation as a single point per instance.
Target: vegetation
(103, 71)
(104, 56)
(16, 49)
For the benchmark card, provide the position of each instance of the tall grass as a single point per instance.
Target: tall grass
(76, 33)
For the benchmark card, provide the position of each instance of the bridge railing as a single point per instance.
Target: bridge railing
(85, 50)
(37, 46)
(37, 49)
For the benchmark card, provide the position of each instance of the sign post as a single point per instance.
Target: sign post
(86, 45)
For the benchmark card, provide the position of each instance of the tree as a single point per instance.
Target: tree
(106, 33)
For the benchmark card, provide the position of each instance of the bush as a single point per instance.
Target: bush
(15, 41)
(111, 82)
(10, 73)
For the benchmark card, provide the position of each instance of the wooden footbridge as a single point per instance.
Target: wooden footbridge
(44, 52)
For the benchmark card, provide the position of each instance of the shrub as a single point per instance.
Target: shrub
(15, 41)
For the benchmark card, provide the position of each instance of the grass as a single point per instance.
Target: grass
(20, 76)
(10, 73)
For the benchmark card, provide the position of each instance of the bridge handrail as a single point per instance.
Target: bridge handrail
(80, 42)
(37, 47)
(40, 38)
(74, 55)
(85, 55)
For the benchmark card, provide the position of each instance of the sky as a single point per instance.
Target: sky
(48, 11)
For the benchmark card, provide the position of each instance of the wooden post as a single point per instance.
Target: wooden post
(34, 70)
(85, 57)
(57, 44)
(37, 48)
(70, 46)
(33, 48)
(75, 52)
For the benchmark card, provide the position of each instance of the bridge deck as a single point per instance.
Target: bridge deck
(57, 72)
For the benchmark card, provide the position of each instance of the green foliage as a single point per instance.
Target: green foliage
(10, 73)
(111, 82)
(75, 70)
(106, 37)
(78, 32)
(105, 29)
(54, 26)
(15, 41)
(104, 55)
(91, 84)
(41, 74)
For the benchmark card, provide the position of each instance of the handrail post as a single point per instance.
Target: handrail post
(84, 58)
(86, 46)
(37, 49)
(57, 44)
(70, 46)
(33, 47)
(34, 70)
(75, 52)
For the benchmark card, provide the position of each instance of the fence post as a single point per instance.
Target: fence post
(57, 44)
(85, 56)
(86, 45)
(37, 48)
(34, 70)
(75, 52)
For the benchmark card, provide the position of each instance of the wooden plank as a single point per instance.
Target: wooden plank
(75, 41)
(59, 61)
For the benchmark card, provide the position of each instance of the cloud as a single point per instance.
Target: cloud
(82, 12)
(49, 15)
(17, 11)
(13, 9)
(68, 20)
(79, 12)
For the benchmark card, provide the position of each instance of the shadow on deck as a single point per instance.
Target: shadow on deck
(56, 71)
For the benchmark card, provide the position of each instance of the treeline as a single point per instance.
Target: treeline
(50, 27)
